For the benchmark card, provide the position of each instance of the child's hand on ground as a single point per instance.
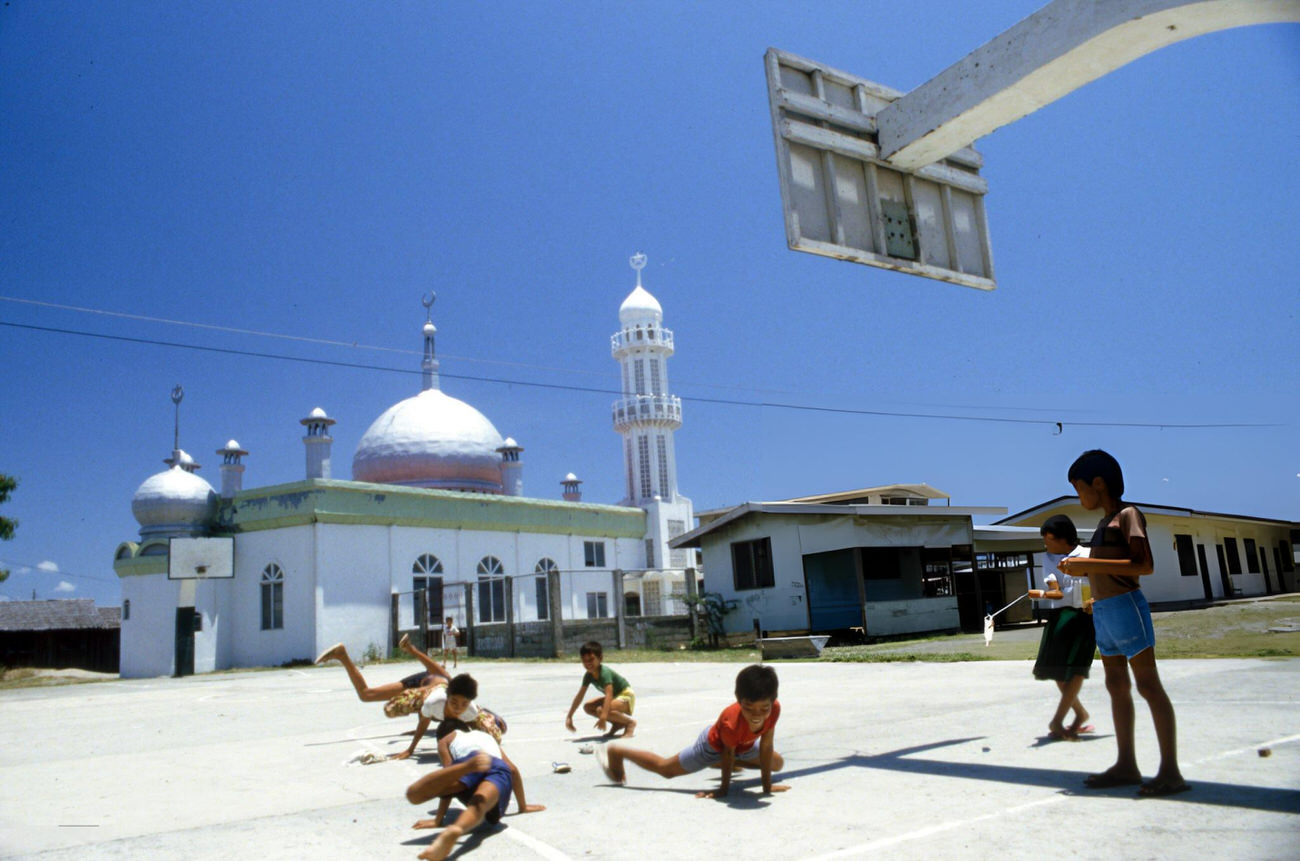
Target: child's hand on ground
(568, 724)
(406, 754)
(435, 822)
(600, 724)
(779, 787)
(711, 793)
(532, 808)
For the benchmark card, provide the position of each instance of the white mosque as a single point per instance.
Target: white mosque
(435, 499)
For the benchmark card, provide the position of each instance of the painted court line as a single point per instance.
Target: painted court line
(886, 842)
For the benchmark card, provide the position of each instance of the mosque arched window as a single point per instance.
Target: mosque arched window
(426, 580)
(272, 597)
(491, 590)
(541, 583)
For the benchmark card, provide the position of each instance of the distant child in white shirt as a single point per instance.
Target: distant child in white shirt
(449, 642)
(1066, 650)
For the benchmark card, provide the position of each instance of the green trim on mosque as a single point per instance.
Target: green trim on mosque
(140, 565)
(355, 502)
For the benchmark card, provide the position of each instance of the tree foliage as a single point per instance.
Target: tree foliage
(7, 525)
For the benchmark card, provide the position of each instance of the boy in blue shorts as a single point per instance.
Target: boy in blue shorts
(476, 772)
(744, 734)
(1119, 554)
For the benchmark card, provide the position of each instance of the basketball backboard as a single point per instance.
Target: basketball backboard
(201, 559)
(842, 199)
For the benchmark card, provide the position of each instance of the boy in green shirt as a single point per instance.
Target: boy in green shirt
(614, 706)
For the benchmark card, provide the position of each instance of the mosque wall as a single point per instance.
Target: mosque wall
(353, 587)
(148, 644)
(290, 550)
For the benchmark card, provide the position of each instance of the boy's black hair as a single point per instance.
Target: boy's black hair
(464, 686)
(1096, 463)
(1060, 526)
(450, 725)
(756, 682)
(591, 647)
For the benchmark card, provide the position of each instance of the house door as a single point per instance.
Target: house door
(832, 583)
(1205, 572)
(184, 641)
(1223, 571)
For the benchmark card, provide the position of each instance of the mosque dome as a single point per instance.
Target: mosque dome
(431, 440)
(174, 502)
(640, 307)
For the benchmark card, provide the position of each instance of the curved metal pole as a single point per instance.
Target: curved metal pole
(1058, 49)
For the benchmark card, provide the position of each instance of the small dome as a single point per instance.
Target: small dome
(233, 445)
(431, 440)
(510, 443)
(430, 329)
(317, 413)
(175, 502)
(640, 307)
(570, 477)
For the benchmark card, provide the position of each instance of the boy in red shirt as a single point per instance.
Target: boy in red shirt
(742, 735)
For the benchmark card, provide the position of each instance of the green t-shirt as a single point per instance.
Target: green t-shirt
(607, 677)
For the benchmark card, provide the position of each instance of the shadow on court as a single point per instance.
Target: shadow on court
(1269, 799)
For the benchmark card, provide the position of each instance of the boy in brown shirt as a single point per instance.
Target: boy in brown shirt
(1119, 554)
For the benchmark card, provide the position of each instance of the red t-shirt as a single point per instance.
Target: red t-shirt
(732, 730)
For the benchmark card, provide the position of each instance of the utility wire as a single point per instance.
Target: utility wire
(12, 564)
(604, 391)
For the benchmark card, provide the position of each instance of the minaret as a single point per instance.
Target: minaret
(646, 417)
(318, 442)
(232, 471)
(512, 468)
(572, 492)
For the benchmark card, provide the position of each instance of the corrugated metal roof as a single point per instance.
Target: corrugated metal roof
(59, 615)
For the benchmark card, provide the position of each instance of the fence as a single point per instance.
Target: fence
(552, 613)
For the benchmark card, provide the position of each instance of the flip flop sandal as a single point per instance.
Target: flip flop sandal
(1085, 728)
(1106, 780)
(1161, 789)
(560, 767)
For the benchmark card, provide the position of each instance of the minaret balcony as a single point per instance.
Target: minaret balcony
(656, 338)
(662, 410)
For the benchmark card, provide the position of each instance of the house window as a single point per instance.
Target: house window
(593, 554)
(427, 575)
(126, 609)
(543, 586)
(751, 564)
(597, 605)
(1252, 555)
(1234, 558)
(272, 597)
(1186, 555)
(491, 590)
(649, 553)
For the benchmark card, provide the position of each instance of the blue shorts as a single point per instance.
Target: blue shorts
(499, 775)
(1123, 624)
(701, 754)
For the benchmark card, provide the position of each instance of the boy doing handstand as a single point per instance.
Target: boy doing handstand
(1118, 555)
(617, 698)
(744, 734)
(1065, 652)
(476, 771)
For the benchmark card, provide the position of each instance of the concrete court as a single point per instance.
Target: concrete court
(884, 760)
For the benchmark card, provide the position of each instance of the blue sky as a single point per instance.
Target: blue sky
(311, 169)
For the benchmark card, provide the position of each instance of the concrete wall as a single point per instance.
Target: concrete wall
(887, 618)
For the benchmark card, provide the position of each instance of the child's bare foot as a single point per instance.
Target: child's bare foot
(1080, 723)
(629, 729)
(1059, 732)
(611, 762)
(1113, 776)
(442, 844)
(331, 654)
(405, 642)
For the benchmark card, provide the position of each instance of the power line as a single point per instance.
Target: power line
(36, 568)
(603, 391)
